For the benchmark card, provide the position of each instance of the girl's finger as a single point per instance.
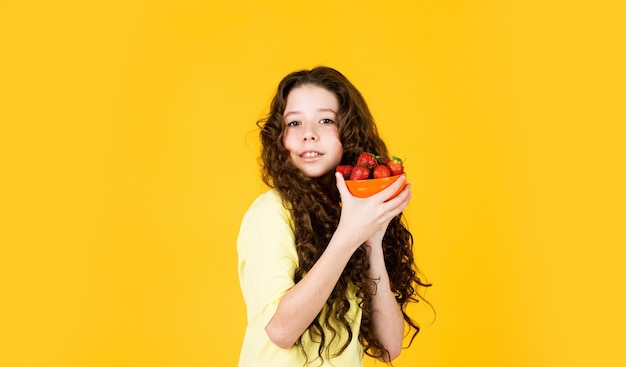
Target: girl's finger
(400, 201)
(388, 191)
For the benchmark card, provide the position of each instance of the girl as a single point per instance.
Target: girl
(325, 276)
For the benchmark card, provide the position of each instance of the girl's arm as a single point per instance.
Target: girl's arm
(301, 304)
(360, 219)
(387, 317)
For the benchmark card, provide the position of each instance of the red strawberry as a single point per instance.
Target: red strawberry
(360, 173)
(395, 166)
(345, 171)
(383, 160)
(367, 159)
(381, 172)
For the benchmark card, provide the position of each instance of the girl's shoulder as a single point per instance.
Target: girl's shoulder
(268, 203)
(270, 197)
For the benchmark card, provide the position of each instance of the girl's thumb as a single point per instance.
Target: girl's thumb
(341, 184)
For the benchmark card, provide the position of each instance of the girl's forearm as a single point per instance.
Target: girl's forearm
(387, 316)
(301, 304)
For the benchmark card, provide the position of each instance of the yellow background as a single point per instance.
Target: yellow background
(128, 151)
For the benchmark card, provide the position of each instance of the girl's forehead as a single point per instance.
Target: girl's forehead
(311, 95)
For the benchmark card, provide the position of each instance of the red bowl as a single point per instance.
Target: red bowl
(366, 188)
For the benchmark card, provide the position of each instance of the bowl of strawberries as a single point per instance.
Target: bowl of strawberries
(372, 173)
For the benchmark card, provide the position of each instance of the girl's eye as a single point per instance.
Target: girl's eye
(326, 121)
(293, 123)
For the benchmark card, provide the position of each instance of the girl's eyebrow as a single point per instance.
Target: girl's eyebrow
(318, 110)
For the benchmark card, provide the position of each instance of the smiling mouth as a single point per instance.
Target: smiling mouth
(310, 154)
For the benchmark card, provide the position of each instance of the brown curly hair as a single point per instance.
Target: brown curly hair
(315, 207)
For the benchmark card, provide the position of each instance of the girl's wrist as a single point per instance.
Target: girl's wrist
(375, 251)
(375, 243)
(345, 240)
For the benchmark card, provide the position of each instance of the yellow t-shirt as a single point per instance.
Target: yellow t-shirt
(267, 263)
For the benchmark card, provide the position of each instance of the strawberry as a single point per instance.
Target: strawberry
(381, 172)
(367, 159)
(360, 172)
(395, 166)
(345, 171)
(383, 160)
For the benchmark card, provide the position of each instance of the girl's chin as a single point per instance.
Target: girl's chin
(317, 171)
(311, 172)
(317, 174)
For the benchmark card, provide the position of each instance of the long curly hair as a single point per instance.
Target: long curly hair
(315, 207)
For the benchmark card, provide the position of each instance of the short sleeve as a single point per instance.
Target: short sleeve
(267, 257)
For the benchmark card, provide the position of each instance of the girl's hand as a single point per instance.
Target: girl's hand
(366, 219)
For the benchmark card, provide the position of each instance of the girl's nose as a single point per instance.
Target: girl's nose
(310, 134)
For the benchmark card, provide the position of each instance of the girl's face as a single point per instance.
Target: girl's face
(311, 135)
